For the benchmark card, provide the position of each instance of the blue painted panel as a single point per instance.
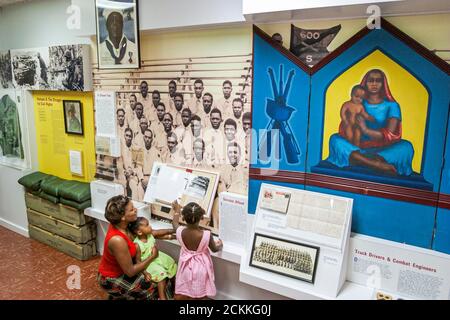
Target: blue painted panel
(441, 241)
(266, 107)
(389, 219)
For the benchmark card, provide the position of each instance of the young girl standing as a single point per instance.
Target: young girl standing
(195, 275)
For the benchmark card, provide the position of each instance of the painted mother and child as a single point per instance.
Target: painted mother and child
(370, 132)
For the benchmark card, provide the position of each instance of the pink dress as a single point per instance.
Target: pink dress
(195, 275)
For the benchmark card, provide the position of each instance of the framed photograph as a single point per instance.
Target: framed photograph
(295, 260)
(73, 117)
(117, 34)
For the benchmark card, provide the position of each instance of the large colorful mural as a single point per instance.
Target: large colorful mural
(280, 113)
(374, 124)
(377, 118)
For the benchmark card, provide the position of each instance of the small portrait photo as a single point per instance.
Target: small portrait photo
(117, 34)
(73, 117)
(295, 260)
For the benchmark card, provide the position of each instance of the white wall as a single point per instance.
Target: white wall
(12, 204)
(36, 24)
(166, 14)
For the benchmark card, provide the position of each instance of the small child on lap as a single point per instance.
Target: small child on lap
(163, 267)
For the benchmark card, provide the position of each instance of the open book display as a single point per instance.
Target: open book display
(169, 183)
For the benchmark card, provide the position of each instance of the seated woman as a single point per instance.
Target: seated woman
(381, 147)
(119, 274)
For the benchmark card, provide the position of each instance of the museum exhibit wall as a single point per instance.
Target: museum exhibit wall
(27, 26)
(429, 30)
(54, 143)
(214, 56)
(400, 205)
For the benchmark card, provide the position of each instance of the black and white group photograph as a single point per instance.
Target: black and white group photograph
(284, 257)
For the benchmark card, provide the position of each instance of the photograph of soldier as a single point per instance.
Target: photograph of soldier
(138, 140)
(173, 152)
(224, 103)
(130, 110)
(195, 104)
(178, 102)
(144, 98)
(184, 129)
(157, 127)
(169, 100)
(190, 135)
(191, 126)
(205, 112)
(66, 68)
(246, 127)
(151, 155)
(73, 117)
(233, 176)
(117, 35)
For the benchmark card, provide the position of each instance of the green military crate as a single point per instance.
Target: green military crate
(78, 234)
(78, 251)
(58, 211)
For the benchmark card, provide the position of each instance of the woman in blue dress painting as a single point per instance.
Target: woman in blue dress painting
(381, 147)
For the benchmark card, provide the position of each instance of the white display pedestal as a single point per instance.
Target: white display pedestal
(299, 219)
(231, 282)
(226, 262)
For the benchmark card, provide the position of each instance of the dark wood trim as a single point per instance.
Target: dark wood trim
(444, 201)
(413, 44)
(374, 189)
(277, 175)
(289, 55)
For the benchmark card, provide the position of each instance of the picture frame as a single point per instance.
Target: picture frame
(73, 117)
(117, 26)
(284, 257)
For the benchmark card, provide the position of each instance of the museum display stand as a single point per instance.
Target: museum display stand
(309, 223)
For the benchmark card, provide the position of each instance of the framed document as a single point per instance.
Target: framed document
(117, 34)
(275, 200)
(284, 257)
(169, 183)
(73, 117)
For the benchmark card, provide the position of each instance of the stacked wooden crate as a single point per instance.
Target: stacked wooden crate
(62, 227)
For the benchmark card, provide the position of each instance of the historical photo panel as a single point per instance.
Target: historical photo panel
(284, 257)
(73, 117)
(30, 68)
(5, 70)
(117, 34)
(66, 67)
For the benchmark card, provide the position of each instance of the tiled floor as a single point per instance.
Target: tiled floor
(32, 270)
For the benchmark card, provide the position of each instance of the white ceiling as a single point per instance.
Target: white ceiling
(4, 3)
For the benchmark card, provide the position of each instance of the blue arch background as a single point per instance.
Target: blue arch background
(415, 224)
